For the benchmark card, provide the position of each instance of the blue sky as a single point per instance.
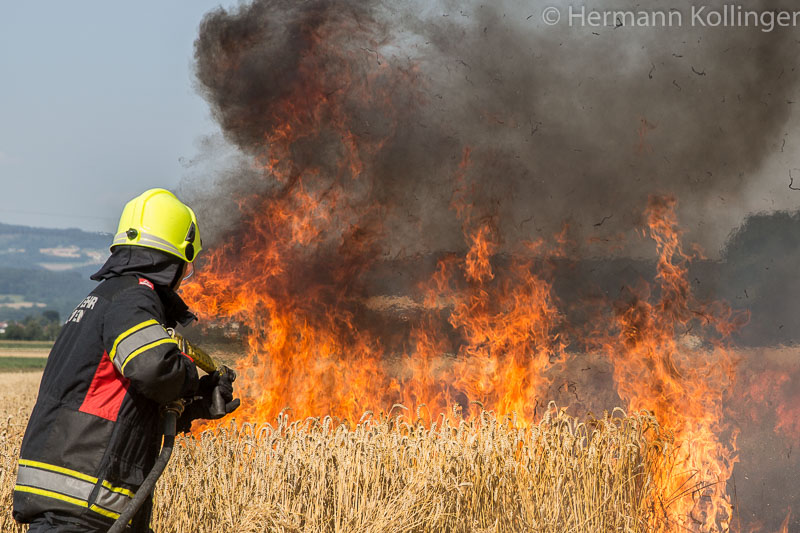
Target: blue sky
(96, 105)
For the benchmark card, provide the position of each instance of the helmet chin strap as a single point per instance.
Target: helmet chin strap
(179, 277)
(188, 271)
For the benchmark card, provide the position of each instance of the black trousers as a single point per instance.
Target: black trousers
(54, 523)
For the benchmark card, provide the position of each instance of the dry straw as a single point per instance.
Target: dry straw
(389, 475)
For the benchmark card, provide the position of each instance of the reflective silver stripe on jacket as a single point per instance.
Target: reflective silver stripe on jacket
(147, 239)
(136, 340)
(51, 481)
(55, 481)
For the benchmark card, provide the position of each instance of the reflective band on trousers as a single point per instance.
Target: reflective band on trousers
(72, 487)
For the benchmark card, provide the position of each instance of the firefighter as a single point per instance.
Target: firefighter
(94, 432)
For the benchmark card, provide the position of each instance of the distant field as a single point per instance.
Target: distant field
(23, 356)
(31, 346)
(24, 305)
(17, 301)
(22, 364)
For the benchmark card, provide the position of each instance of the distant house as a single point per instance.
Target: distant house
(3, 326)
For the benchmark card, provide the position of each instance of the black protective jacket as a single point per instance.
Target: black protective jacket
(95, 430)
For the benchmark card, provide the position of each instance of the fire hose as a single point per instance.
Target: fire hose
(170, 414)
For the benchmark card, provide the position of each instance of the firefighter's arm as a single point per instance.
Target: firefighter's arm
(143, 351)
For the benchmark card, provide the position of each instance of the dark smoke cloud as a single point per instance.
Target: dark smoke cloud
(566, 124)
(595, 123)
(248, 58)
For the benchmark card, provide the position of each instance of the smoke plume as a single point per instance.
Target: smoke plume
(573, 125)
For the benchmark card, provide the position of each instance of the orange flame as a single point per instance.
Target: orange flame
(659, 366)
(772, 393)
(785, 523)
(484, 334)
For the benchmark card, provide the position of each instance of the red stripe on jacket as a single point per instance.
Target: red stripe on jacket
(106, 391)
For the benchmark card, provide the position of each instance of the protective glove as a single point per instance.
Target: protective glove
(213, 399)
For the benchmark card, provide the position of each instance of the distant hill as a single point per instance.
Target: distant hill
(51, 249)
(43, 268)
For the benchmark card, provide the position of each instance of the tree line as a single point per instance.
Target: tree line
(44, 327)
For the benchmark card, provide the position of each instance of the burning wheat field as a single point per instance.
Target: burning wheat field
(493, 275)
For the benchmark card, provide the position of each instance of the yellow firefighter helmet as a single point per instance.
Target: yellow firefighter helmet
(157, 219)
